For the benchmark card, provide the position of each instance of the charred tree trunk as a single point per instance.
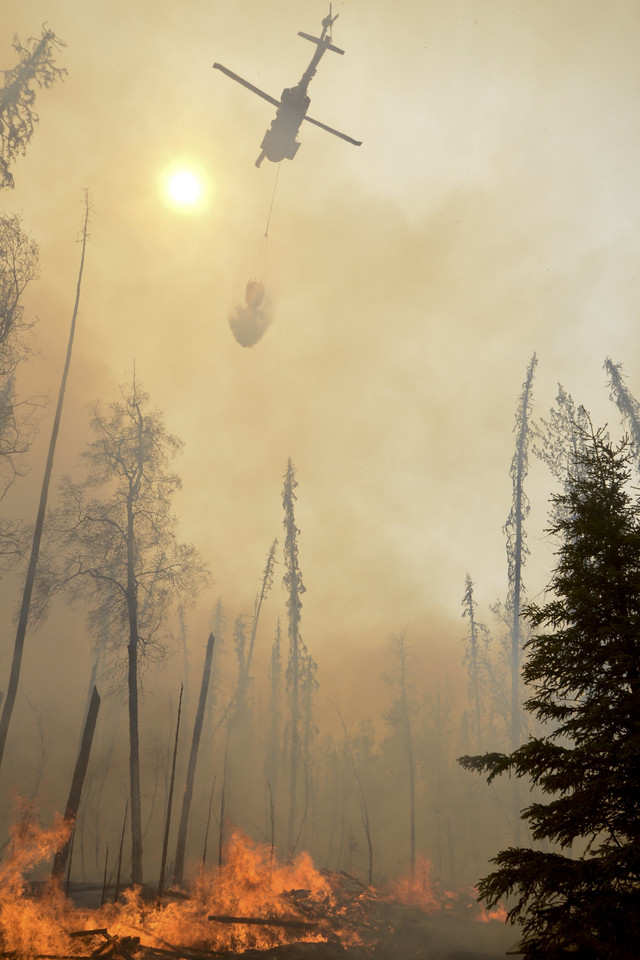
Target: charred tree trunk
(75, 793)
(167, 825)
(206, 830)
(178, 871)
(273, 751)
(132, 681)
(223, 799)
(116, 892)
(25, 606)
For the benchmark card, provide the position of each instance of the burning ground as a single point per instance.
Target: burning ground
(250, 905)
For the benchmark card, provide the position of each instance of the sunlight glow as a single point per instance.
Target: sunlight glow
(184, 187)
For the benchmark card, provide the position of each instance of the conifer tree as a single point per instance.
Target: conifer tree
(560, 439)
(475, 659)
(272, 764)
(295, 588)
(35, 68)
(516, 540)
(626, 404)
(517, 552)
(583, 673)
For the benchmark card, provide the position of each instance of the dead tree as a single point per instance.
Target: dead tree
(295, 588)
(267, 581)
(18, 267)
(121, 547)
(475, 657)
(516, 541)
(273, 750)
(75, 794)
(167, 825)
(516, 554)
(36, 68)
(178, 870)
(25, 607)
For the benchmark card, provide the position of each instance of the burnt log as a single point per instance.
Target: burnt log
(286, 922)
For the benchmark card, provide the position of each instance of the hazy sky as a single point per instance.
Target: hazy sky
(492, 211)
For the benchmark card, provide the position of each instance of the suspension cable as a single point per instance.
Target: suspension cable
(263, 247)
(273, 196)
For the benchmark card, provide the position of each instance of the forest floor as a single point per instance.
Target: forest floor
(384, 930)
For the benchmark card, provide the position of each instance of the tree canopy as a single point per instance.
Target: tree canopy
(35, 68)
(113, 540)
(583, 670)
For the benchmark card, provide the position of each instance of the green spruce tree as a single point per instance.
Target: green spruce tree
(583, 671)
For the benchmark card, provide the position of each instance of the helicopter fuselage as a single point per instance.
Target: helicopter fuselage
(280, 140)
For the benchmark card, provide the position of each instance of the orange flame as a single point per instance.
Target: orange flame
(29, 925)
(419, 890)
(249, 884)
(312, 905)
(499, 913)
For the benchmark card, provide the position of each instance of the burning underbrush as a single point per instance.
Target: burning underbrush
(251, 903)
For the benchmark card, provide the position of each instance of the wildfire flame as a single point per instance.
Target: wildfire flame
(299, 902)
(419, 890)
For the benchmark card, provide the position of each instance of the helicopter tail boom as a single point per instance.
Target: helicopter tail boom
(320, 42)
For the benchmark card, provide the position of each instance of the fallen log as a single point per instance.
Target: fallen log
(265, 921)
(102, 931)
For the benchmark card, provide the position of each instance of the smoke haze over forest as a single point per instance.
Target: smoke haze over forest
(491, 212)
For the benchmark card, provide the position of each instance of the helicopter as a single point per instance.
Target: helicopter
(279, 142)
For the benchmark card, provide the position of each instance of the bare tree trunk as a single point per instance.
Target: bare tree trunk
(364, 808)
(223, 798)
(75, 793)
(206, 831)
(25, 607)
(167, 826)
(412, 799)
(272, 823)
(134, 727)
(68, 883)
(116, 892)
(104, 878)
(178, 870)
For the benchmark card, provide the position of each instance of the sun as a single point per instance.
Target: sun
(184, 188)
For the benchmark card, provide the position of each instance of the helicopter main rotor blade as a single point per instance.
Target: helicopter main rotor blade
(245, 83)
(336, 133)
